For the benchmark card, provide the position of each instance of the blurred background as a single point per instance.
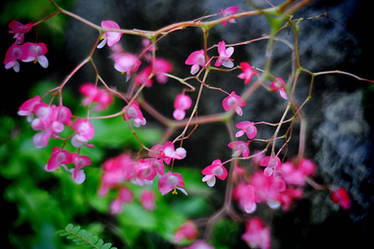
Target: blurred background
(35, 204)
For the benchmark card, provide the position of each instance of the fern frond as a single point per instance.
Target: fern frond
(83, 238)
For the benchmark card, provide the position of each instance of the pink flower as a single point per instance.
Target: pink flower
(167, 152)
(126, 63)
(171, 181)
(124, 196)
(288, 196)
(160, 67)
(296, 174)
(199, 244)
(239, 148)
(144, 77)
(248, 128)
(224, 55)
(79, 162)
(212, 171)
(341, 197)
(147, 198)
(134, 112)
(228, 12)
(109, 38)
(27, 108)
(59, 157)
(257, 235)
(145, 172)
(278, 85)
(95, 95)
(196, 59)
(271, 163)
(19, 30)
(245, 194)
(247, 73)
(233, 101)
(35, 52)
(181, 104)
(13, 54)
(84, 132)
(188, 231)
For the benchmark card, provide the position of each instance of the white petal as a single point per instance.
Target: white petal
(229, 51)
(43, 61)
(182, 190)
(228, 63)
(102, 43)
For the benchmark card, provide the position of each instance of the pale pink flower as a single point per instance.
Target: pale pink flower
(228, 12)
(134, 112)
(79, 162)
(341, 197)
(13, 55)
(109, 38)
(147, 198)
(171, 181)
(27, 108)
(160, 67)
(19, 30)
(257, 235)
(248, 128)
(93, 94)
(84, 132)
(271, 163)
(216, 169)
(278, 86)
(239, 148)
(124, 196)
(245, 195)
(247, 72)
(58, 157)
(188, 231)
(233, 101)
(126, 63)
(181, 104)
(196, 59)
(145, 172)
(224, 55)
(35, 52)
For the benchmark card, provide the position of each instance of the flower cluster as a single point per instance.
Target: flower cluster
(93, 94)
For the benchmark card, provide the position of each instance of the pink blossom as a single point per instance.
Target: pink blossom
(228, 12)
(296, 174)
(224, 55)
(160, 67)
(147, 198)
(13, 54)
(245, 194)
(171, 181)
(19, 30)
(212, 171)
(257, 235)
(247, 73)
(199, 244)
(144, 77)
(93, 94)
(167, 152)
(239, 148)
(188, 231)
(109, 38)
(134, 112)
(248, 128)
(196, 59)
(79, 162)
(181, 104)
(124, 196)
(145, 172)
(59, 157)
(287, 197)
(84, 132)
(233, 101)
(126, 63)
(35, 52)
(27, 108)
(278, 85)
(271, 163)
(341, 197)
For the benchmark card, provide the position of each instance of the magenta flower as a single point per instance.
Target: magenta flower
(160, 67)
(248, 128)
(27, 108)
(134, 112)
(126, 63)
(212, 171)
(341, 197)
(245, 194)
(239, 148)
(79, 162)
(12, 56)
(188, 231)
(125, 196)
(196, 59)
(233, 101)
(247, 72)
(224, 55)
(145, 172)
(35, 52)
(278, 86)
(144, 77)
(58, 157)
(147, 198)
(257, 235)
(171, 181)
(19, 30)
(109, 38)
(296, 174)
(93, 94)
(181, 104)
(228, 12)
(84, 132)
